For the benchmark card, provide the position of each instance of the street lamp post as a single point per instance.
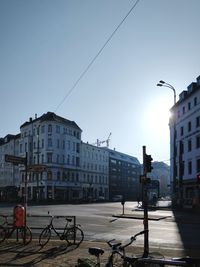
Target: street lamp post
(164, 84)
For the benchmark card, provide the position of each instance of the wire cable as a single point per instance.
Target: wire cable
(96, 56)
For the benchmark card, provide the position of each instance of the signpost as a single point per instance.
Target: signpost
(15, 160)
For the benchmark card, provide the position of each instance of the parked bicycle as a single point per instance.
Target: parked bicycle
(72, 233)
(8, 229)
(117, 256)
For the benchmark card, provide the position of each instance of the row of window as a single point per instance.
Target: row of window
(67, 176)
(189, 106)
(189, 145)
(60, 159)
(95, 156)
(95, 167)
(190, 167)
(40, 144)
(95, 179)
(189, 126)
(50, 129)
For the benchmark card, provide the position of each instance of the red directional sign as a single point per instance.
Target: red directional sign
(14, 159)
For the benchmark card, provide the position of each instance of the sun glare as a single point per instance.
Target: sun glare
(158, 115)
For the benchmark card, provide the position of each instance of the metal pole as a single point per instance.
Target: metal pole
(145, 206)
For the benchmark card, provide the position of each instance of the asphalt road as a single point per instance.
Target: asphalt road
(98, 223)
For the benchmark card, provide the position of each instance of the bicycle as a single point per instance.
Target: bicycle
(117, 256)
(7, 229)
(73, 234)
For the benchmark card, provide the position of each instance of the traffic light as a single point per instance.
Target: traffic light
(198, 178)
(148, 162)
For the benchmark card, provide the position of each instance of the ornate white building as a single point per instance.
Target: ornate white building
(53, 143)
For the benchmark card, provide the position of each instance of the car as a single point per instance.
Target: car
(117, 198)
(100, 199)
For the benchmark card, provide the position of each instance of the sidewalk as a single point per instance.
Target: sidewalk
(57, 253)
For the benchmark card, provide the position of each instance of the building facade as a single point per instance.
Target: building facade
(94, 172)
(124, 172)
(52, 143)
(185, 146)
(60, 167)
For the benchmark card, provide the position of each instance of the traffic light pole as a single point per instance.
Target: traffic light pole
(145, 205)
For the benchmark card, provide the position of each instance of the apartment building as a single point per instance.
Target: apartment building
(52, 144)
(185, 145)
(124, 172)
(94, 172)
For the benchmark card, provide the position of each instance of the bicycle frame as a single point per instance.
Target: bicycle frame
(51, 227)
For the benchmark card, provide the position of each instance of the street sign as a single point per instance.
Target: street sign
(37, 168)
(15, 160)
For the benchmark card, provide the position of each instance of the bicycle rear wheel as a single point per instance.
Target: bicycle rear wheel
(74, 236)
(44, 236)
(26, 234)
(2, 233)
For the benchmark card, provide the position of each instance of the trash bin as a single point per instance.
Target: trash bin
(19, 216)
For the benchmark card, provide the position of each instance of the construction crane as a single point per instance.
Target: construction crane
(99, 142)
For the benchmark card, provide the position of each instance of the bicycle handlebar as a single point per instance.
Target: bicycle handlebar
(133, 238)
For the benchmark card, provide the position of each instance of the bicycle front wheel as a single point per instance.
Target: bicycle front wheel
(74, 236)
(44, 236)
(2, 233)
(26, 235)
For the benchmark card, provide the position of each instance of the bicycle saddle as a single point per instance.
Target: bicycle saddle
(95, 251)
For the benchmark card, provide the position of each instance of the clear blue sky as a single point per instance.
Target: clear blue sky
(46, 44)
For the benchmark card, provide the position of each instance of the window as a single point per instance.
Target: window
(49, 176)
(42, 129)
(42, 143)
(198, 141)
(198, 165)
(183, 110)
(49, 142)
(49, 128)
(190, 167)
(77, 161)
(195, 101)
(58, 143)
(182, 130)
(57, 129)
(189, 105)
(49, 157)
(198, 121)
(189, 145)
(189, 126)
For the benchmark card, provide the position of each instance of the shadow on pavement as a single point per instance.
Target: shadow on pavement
(12, 254)
(188, 224)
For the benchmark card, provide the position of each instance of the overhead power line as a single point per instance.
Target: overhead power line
(96, 56)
